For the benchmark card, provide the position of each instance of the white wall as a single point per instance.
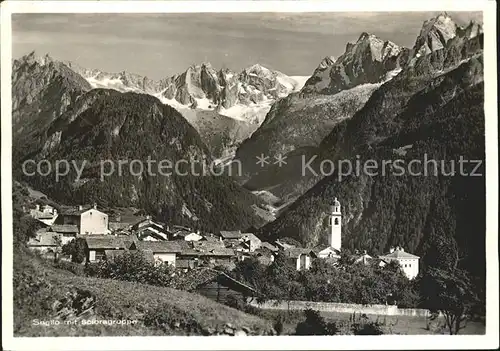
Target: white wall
(307, 262)
(66, 238)
(94, 222)
(409, 266)
(335, 239)
(165, 257)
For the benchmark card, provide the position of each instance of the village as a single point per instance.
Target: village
(183, 248)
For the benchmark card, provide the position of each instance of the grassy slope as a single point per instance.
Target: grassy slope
(402, 325)
(126, 300)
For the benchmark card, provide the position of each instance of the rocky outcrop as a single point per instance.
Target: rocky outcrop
(229, 329)
(77, 304)
(369, 60)
(42, 89)
(438, 34)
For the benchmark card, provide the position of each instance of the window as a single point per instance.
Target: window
(336, 221)
(99, 255)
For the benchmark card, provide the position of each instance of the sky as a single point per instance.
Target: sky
(161, 45)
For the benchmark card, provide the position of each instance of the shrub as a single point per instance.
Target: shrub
(367, 328)
(315, 324)
(76, 249)
(168, 317)
(278, 325)
(72, 267)
(235, 301)
(32, 296)
(132, 266)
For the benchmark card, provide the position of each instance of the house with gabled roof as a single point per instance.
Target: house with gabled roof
(326, 251)
(148, 229)
(88, 219)
(162, 251)
(46, 214)
(230, 234)
(208, 252)
(45, 242)
(269, 246)
(97, 245)
(252, 240)
(264, 255)
(363, 258)
(67, 232)
(301, 257)
(214, 284)
(409, 263)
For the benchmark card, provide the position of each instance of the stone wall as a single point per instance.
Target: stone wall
(386, 310)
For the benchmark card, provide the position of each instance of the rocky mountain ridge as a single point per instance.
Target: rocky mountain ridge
(200, 86)
(42, 90)
(106, 125)
(223, 106)
(301, 124)
(432, 108)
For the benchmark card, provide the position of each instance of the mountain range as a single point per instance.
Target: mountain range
(377, 101)
(433, 107)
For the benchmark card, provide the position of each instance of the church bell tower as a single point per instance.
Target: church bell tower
(335, 238)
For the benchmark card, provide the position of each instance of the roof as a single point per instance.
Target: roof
(398, 254)
(108, 242)
(150, 231)
(111, 254)
(250, 236)
(211, 238)
(224, 252)
(263, 251)
(184, 263)
(284, 245)
(207, 245)
(181, 227)
(42, 215)
(160, 246)
(45, 239)
(75, 210)
(149, 222)
(268, 246)
(295, 252)
(336, 202)
(118, 226)
(191, 280)
(64, 228)
(181, 232)
(233, 234)
(321, 248)
(232, 242)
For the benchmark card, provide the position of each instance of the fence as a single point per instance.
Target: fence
(387, 310)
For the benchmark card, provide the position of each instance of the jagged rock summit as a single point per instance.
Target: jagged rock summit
(368, 60)
(436, 34)
(200, 86)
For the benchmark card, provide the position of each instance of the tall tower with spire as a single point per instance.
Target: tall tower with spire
(335, 238)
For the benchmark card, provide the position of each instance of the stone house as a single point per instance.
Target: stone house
(88, 220)
(302, 258)
(162, 251)
(97, 245)
(408, 262)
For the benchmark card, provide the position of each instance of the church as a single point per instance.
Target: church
(332, 250)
